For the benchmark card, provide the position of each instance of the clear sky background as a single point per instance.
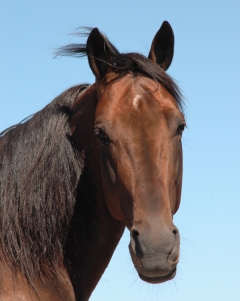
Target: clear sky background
(206, 66)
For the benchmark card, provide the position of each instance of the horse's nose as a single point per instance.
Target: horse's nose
(155, 248)
(139, 247)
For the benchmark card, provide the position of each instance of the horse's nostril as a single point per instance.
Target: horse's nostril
(175, 231)
(135, 234)
(137, 250)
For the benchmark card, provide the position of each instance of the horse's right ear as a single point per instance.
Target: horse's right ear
(100, 53)
(162, 47)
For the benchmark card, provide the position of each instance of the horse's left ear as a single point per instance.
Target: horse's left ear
(100, 53)
(162, 47)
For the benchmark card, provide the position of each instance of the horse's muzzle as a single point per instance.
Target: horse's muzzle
(155, 254)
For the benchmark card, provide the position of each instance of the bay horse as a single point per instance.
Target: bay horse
(97, 159)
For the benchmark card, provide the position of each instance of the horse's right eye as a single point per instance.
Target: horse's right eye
(102, 136)
(181, 128)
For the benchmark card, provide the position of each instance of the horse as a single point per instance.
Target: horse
(95, 160)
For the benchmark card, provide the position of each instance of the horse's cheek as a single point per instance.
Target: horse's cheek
(178, 172)
(110, 188)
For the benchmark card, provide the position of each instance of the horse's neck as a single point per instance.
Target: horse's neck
(94, 233)
(94, 237)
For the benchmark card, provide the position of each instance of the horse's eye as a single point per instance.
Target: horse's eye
(181, 129)
(102, 136)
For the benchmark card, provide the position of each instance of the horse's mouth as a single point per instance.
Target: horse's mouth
(155, 280)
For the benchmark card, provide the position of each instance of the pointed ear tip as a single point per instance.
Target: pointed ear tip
(166, 24)
(95, 30)
(93, 35)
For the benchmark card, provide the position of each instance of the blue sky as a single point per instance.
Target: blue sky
(206, 66)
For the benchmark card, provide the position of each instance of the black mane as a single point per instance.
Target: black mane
(39, 171)
(124, 63)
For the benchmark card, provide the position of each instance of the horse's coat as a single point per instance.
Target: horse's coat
(98, 158)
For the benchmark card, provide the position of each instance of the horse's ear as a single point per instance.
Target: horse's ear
(99, 52)
(162, 47)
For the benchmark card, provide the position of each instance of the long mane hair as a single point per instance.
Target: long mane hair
(39, 172)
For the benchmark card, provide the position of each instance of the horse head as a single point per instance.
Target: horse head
(138, 125)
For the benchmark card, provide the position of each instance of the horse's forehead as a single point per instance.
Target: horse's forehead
(133, 84)
(136, 96)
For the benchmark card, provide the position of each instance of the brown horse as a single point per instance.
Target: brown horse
(96, 159)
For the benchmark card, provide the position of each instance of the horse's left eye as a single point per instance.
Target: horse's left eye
(102, 136)
(181, 129)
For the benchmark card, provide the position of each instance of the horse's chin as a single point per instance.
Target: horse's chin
(160, 279)
(156, 275)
